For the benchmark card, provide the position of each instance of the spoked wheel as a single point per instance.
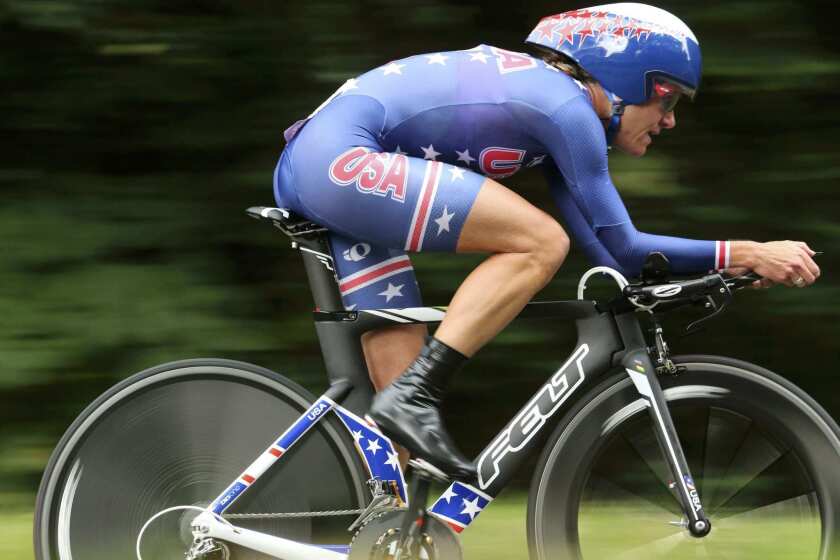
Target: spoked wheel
(177, 435)
(765, 460)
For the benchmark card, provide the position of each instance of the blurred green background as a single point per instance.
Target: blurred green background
(135, 132)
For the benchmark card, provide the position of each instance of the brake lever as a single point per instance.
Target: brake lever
(717, 302)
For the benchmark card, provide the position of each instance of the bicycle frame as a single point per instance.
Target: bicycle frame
(605, 341)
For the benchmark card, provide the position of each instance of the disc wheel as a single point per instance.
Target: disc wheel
(378, 539)
(178, 435)
(763, 455)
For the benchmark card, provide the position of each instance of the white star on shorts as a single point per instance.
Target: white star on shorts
(443, 220)
(457, 173)
(536, 161)
(393, 68)
(391, 292)
(348, 85)
(437, 58)
(479, 56)
(465, 156)
(430, 153)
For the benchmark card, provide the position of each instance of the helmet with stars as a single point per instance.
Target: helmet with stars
(627, 47)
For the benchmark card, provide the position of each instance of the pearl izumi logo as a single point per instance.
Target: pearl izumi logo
(533, 417)
(357, 252)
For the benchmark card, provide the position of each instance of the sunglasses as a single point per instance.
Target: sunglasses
(669, 95)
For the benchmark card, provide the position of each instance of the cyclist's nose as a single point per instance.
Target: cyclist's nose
(669, 120)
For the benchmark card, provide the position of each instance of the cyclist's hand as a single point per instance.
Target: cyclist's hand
(736, 271)
(787, 262)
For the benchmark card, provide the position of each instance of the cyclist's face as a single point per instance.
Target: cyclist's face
(640, 124)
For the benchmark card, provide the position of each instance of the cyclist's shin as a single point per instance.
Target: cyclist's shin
(408, 410)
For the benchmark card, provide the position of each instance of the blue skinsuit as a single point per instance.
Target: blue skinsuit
(393, 161)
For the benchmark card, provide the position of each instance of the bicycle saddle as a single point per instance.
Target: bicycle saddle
(293, 225)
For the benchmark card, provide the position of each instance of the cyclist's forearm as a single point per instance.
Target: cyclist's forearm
(631, 247)
(743, 253)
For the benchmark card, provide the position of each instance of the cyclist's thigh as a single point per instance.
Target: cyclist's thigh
(501, 221)
(341, 178)
(371, 277)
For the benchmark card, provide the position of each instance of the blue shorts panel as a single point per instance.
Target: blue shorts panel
(336, 173)
(376, 204)
(371, 277)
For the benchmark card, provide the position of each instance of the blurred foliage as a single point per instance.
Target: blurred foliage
(136, 132)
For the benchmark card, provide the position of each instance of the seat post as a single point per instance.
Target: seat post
(320, 270)
(340, 341)
(339, 337)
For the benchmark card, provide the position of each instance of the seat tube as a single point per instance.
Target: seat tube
(339, 338)
(638, 365)
(320, 271)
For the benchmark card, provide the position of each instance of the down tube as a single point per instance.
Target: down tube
(597, 341)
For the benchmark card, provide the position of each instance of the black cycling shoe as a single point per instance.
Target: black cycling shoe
(408, 410)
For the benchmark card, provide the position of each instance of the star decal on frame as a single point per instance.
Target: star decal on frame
(430, 153)
(471, 508)
(443, 220)
(448, 495)
(393, 461)
(374, 446)
(437, 58)
(391, 292)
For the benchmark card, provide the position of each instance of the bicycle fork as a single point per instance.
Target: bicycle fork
(640, 368)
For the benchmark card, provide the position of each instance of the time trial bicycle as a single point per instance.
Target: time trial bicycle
(644, 455)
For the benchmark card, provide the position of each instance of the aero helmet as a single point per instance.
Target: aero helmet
(625, 47)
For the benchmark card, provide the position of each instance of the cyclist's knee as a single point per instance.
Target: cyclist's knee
(549, 247)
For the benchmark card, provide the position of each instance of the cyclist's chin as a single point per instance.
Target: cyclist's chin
(637, 148)
(632, 141)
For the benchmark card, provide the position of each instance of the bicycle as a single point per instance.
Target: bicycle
(136, 474)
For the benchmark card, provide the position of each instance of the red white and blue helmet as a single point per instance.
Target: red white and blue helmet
(626, 47)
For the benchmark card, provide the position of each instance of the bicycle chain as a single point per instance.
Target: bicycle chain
(328, 513)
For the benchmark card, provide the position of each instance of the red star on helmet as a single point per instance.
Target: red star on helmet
(579, 13)
(639, 31)
(585, 32)
(546, 28)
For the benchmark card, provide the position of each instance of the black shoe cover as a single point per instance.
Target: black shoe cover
(408, 410)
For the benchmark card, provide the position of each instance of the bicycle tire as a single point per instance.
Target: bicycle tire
(759, 430)
(153, 441)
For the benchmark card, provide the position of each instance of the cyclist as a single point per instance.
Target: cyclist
(407, 157)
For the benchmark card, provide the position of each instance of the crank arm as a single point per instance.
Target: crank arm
(209, 525)
(643, 374)
(415, 516)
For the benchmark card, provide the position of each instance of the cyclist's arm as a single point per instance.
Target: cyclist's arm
(576, 142)
(579, 228)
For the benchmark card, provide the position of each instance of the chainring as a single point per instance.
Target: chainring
(379, 537)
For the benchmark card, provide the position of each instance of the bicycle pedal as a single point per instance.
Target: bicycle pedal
(426, 470)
